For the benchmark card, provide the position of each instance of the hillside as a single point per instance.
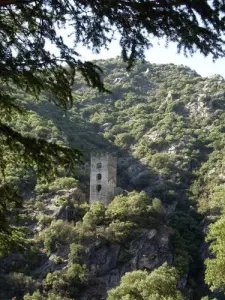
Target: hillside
(165, 124)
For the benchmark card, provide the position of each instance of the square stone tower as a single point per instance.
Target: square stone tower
(103, 177)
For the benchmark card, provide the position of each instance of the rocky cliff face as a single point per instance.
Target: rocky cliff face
(107, 263)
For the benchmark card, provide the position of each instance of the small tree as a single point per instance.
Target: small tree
(141, 285)
(215, 267)
(96, 215)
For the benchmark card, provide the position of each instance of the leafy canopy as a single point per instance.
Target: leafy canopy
(141, 285)
(215, 266)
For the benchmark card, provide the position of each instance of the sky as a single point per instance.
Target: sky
(161, 55)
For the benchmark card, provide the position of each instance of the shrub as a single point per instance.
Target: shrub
(44, 220)
(51, 296)
(215, 266)
(39, 205)
(96, 215)
(159, 284)
(76, 251)
(58, 233)
(83, 231)
(42, 188)
(66, 282)
(63, 183)
(61, 201)
(35, 296)
(119, 231)
(123, 140)
(157, 205)
(58, 260)
(60, 183)
(18, 283)
(75, 273)
(133, 207)
(186, 240)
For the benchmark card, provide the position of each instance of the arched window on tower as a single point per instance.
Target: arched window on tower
(99, 165)
(99, 176)
(98, 187)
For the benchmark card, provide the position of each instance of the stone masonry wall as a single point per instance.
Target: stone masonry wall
(102, 177)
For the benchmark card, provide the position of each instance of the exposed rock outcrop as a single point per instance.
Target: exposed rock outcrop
(107, 263)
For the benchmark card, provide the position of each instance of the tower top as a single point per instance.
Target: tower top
(98, 153)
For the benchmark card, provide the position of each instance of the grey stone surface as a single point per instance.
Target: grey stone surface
(107, 263)
(66, 213)
(103, 177)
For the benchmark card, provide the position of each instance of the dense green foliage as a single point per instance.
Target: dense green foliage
(124, 217)
(187, 241)
(159, 284)
(215, 276)
(166, 126)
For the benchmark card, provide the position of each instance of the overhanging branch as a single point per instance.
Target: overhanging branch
(15, 2)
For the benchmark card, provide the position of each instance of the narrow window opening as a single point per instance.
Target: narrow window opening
(99, 165)
(99, 176)
(98, 187)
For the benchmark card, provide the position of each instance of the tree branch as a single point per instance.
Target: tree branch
(15, 2)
